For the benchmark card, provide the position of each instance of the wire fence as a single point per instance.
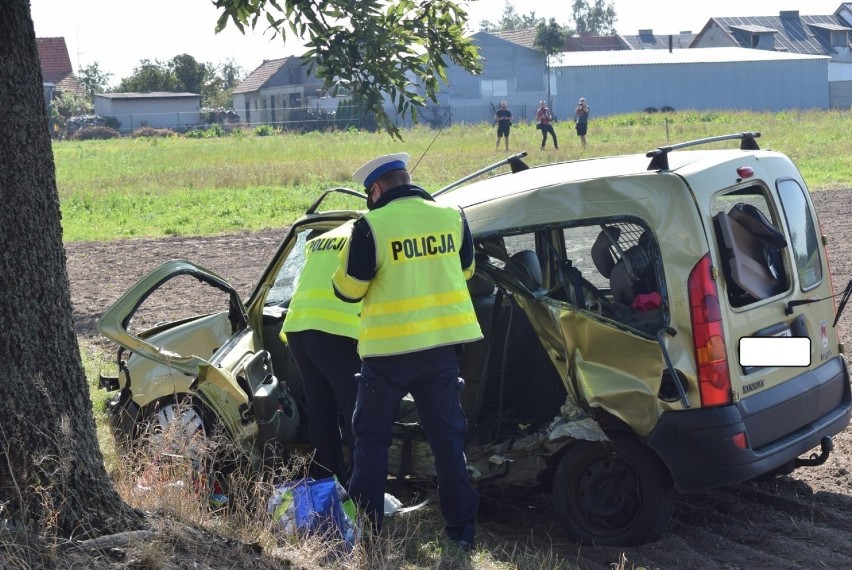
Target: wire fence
(341, 117)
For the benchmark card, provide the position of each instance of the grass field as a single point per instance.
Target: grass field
(148, 187)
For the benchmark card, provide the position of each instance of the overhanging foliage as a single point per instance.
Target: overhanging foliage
(398, 48)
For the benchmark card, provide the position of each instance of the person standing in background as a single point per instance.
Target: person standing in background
(543, 118)
(581, 119)
(504, 124)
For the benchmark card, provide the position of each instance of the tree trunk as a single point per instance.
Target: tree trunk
(52, 475)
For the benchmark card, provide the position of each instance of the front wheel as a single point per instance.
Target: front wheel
(613, 493)
(176, 428)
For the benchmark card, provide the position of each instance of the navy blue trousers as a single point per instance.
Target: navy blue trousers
(328, 364)
(431, 377)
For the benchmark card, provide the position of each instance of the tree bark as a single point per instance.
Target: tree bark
(52, 475)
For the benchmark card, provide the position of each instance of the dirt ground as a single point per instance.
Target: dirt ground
(799, 521)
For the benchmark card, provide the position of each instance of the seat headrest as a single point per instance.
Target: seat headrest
(528, 260)
(756, 222)
(601, 253)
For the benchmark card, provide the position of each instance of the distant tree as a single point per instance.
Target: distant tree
(183, 73)
(550, 38)
(230, 74)
(94, 79)
(65, 106)
(190, 75)
(597, 17)
(218, 91)
(69, 104)
(511, 21)
(149, 77)
(373, 48)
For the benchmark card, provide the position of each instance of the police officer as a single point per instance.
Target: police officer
(322, 331)
(408, 259)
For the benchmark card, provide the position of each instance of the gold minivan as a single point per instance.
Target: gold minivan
(654, 323)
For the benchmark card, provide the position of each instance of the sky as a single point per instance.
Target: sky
(118, 34)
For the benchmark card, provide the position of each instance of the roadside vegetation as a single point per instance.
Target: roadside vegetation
(159, 186)
(159, 479)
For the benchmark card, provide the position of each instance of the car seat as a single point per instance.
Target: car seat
(528, 268)
(602, 252)
(751, 254)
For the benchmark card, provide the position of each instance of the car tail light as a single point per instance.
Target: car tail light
(711, 354)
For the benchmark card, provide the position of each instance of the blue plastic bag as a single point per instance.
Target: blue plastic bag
(314, 507)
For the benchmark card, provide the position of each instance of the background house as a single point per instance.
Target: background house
(56, 67)
(647, 39)
(161, 110)
(699, 79)
(789, 32)
(512, 71)
(515, 70)
(276, 90)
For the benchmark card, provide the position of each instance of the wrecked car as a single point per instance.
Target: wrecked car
(619, 298)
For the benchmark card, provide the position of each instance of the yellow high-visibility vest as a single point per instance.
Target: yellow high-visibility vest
(314, 305)
(418, 298)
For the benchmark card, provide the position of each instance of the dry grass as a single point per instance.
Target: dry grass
(171, 477)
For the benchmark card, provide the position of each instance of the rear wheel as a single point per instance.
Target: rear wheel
(613, 493)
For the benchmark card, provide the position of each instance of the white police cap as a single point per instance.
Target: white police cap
(374, 169)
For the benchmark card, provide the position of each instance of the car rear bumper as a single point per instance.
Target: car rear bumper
(780, 424)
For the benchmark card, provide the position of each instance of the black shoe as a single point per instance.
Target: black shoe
(465, 546)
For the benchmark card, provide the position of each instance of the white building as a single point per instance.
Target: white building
(161, 110)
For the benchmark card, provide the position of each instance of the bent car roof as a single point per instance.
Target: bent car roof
(586, 188)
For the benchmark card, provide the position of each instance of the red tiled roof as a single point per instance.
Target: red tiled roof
(53, 56)
(56, 65)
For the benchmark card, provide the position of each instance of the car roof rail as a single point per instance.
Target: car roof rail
(660, 156)
(340, 189)
(514, 161)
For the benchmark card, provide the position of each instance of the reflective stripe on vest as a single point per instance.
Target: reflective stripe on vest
(314, 305)
(418, 298)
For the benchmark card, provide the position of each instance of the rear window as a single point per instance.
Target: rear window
(803, 234)
(752, 246)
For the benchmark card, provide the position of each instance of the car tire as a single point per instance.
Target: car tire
(176, 427)
(613, 493)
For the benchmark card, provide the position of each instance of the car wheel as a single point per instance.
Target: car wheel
(176, 429)
(613, 493)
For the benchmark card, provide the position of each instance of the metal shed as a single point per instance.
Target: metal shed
(134, 110)
(704, 79)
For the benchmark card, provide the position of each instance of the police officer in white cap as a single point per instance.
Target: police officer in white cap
(408, 259)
